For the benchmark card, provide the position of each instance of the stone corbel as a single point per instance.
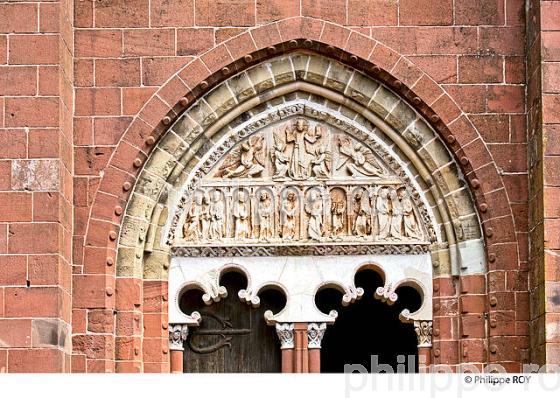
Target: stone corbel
(178, 334)
(315, 333)
(285, 332)
(423, 331)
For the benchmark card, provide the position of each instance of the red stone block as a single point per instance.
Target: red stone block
(98, 101)
(18, 80)
(101, 321)
(329, 10)
(241, 45)
(155, 296)
(492, 127)
(13, 144)
(78, 363)
(225, 12)
(109, 130)
(128, 323)
(36, 361)
(427, 90)
(122, 14)
(217, 58)
(96, 346)
(479, 12)
(19, 242)
(46, 207)
(274, 10)
(49, 20)
(471, 98)
(129, 294)
(117, 72)
(98, 43)
(15, 333)
(129, 367)
(21, 112)
(25, 302)
(481, 69)
(155, 325)
(93, 291)
(153, 349)
(550, 15)
(426, 12)
(33, 49)
(194, 41)
(157, 70)
(514, 70)
(510, 157)
(473, 304)
(506, 99)
(13, 270)
(43, 143)
(372, 13)
(446, 109)
(172, 13)
(503, 40)
(266, 36)
(18, 18)
(154, 111)
(473, 326)
(134, 98)
(91, 160)
(473, 351)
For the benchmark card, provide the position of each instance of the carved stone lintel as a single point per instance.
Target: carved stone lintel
(423, 331)
(315, 333)
(285, 332)
(177, 336)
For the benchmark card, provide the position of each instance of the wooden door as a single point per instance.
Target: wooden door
(232, 337)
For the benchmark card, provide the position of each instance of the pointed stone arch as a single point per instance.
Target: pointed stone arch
(375, 61)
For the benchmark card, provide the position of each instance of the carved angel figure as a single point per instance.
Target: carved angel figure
(196, 222)
(288, 216)
(397, 216)
(265, 211)
(362, 225)
(338, 211)
(314, 207)
(411, 228)
(216, 216)
(382, 207)
(360, 161)
(279, 157)
(246, 160)
(320, 165)
(241, 215)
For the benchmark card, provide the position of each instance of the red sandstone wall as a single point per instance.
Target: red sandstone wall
(36, 100)
(124, 51)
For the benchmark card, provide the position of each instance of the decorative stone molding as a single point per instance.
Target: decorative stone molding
(178, 334)
(285, 332)
(299, 278)
(315, 333)
(423, 331)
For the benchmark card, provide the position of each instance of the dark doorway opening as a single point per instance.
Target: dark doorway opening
(369, 327)
(232, 337)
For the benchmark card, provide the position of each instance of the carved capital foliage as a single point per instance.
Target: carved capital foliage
(315, 333)
(177, 336)
(423, 331)
(285, 332)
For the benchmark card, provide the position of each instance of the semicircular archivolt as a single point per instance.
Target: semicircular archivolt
(322, 81)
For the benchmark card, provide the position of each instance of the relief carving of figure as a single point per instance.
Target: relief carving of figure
(382, 207)
(265, 211)
(241, 215)
(300, 136)
(279, 157)
(246, 160)
(216, 216)
(289, 215)
(362, 225)
(314, 208)
(196, 221)
(338, 211)
(411, 227)
(320, 165)
(360, 161)
(397, 216)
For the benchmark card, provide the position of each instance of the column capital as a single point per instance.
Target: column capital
(315, 333)
(285, 332)
(423, 331)
(177, 336)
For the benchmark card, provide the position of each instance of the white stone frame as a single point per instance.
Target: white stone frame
(300, 278)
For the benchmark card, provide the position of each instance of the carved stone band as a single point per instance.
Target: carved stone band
(285, 332)
(315, 333)
(423, 331)
(177, 336)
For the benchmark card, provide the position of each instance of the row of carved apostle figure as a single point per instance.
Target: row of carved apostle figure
(386, 215)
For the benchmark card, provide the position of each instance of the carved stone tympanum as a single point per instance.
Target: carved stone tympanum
(300, 182)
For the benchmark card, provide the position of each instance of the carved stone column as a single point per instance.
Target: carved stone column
(424, 333)
(315, 333)
(177, 336)
(285, 332)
